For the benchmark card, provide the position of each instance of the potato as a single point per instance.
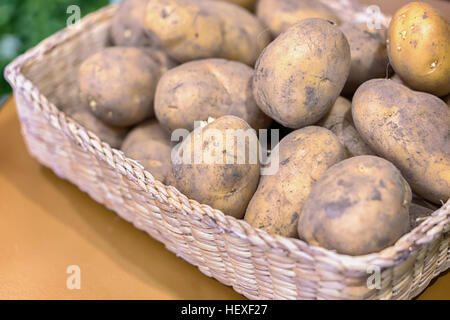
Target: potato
(149, 144)
(192, 30)
(200, 89)
(279, 15)
(410, 129)
(419, 46)
(303, 156)
(127, 26)
(214, 170)
(368, 53)
(300, 75)
(118, 84)
(247, 4)
(357, 207)
(340, 121)
(111, 135)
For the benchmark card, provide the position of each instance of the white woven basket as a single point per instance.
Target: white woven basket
(256, 264)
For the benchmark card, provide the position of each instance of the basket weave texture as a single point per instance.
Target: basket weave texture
(256, 264)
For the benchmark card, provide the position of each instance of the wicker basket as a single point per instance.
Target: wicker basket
(256, 264)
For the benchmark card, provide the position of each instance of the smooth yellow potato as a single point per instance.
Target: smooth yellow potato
(279, 15)
(340, 121)
(149, 144)
(410, 129)
(118, 84)
(368, 53)
(191, 30)
(359, 206)
(301, 73)
(111, 135)
(303, 156)
(200, 89)
(419, 46)
(215, 169)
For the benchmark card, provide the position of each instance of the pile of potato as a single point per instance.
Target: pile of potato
(363, 158)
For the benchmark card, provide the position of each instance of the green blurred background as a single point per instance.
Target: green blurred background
(23, 23)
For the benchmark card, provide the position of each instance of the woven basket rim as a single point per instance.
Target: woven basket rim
(430, 229)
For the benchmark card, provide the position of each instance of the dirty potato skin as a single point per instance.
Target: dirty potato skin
(127, 26)
(357, 207)
(279, 15)
(191, 30)
(111, 135)
(227, 185)
(118, 85)
(340, 121)
(304, 155)
(368, 54)
(207, 88)
(300, 75)
(419, 46)
(410, 129)
(149, 144)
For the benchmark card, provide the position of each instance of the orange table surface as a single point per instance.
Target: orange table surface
(48, 224)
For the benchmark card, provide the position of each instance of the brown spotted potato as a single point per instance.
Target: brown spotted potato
(410, 129)
(192, 29)
(357, 207)
(210, 167)
(302, 72)
(118, 84)
(302, 156)
(205, 88)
